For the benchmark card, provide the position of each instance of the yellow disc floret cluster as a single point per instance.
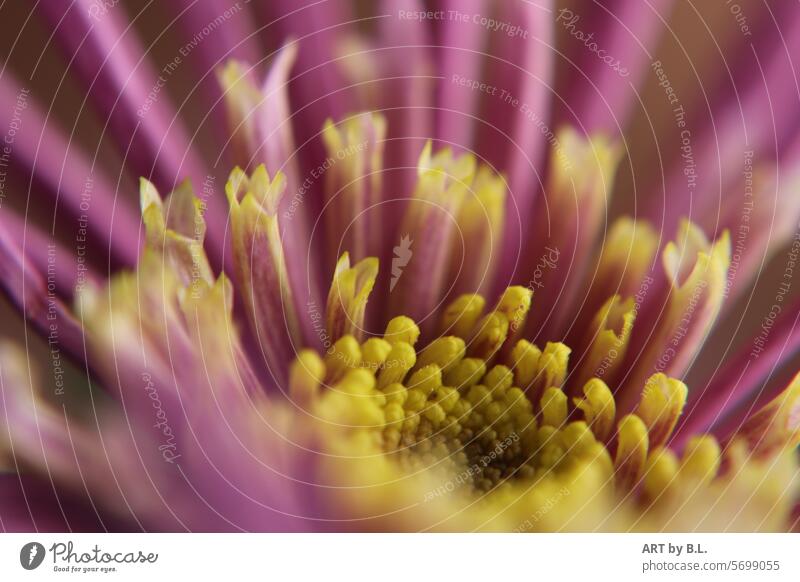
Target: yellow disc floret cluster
(480, 403)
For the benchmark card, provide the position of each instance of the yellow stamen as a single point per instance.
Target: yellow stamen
(632, 446)
(661, 472)
(489, 337)
(344, 355)
(305, 376)
(554, 407)
(466, 373)
(607, 341)
(374, 353)
(525, 363)
(662, 402)
(777, 425)
(402, 329)
(599, 408)
(461, 315)
(347, 299)
(446, 351)
(701, 459)
(399, 361)
(551, 368)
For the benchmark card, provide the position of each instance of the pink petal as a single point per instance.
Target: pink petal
(600, 96)
(130, 93)
(748, 376)
(67, 175)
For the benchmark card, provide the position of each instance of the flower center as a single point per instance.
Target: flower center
(478, 404)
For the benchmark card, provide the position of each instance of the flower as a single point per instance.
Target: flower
(392, 322)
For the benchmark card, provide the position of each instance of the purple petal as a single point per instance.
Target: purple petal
(510, 139)
(28, 290)
(127, 90)
(600, 95)
(461, 54)
(753, 111)
(67, 175)
(236, 38)
(748, 376)
(31, 504)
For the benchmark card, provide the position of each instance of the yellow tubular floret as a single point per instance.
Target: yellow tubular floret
(466, 373)
(402, 329)
(661, 473)
(551, 368)
(662, 402)
(347, 299)
(344, 355)
(554, 407)
(461, 316)
(701, 459)
(607, 341)
(598, 407)
(632, 447)
(374, 352)
(490, 334)
(305, 376)
(446, 352)
(399, 361)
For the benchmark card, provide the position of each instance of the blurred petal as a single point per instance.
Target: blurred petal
(747, 375)
(35, 296)
(29, 504)
(61, 171)
(777, 425)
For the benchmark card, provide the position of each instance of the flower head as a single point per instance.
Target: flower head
(394, 320)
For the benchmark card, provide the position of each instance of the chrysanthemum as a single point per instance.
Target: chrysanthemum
(413, 307)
